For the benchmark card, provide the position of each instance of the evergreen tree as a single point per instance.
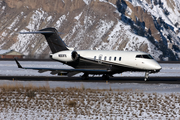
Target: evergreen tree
(160, 2)
(149, 31)
(166, 12)
(155, 2)
(176, 24)
(140, 31)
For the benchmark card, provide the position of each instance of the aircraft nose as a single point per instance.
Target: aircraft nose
(157, 67)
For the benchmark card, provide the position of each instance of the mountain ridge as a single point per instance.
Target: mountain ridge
(93, 24)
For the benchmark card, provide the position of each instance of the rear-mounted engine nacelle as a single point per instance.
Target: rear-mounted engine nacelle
(65, 56)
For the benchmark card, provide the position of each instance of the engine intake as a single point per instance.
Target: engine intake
(65, 56)
(75, 55)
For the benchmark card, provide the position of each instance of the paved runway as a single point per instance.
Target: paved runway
(151, 80)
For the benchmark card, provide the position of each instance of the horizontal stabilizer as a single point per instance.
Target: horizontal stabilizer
(38, 32)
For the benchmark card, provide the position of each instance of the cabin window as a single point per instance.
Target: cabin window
(110, 58)
(94, 57)
(119, 58)
(100, 57)
(105, 58)
(114, 58)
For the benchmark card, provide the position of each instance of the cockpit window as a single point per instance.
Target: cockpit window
(147, 56)
(138, 56)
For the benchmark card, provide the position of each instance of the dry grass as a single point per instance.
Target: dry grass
(90, 103)
(71, 103)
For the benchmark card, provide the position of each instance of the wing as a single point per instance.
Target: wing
(62, 71)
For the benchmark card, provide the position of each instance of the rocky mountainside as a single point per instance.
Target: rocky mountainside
(151, 26)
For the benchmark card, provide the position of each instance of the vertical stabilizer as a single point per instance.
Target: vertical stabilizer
(55, 42)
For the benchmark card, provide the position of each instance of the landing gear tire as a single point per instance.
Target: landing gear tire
(105, 77)
(146, 76)
(85, 76)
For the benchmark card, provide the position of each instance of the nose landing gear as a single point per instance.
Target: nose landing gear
(146, 76)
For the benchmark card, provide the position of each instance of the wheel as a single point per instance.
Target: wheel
(85, 77)
(146, 76)
(105, 77)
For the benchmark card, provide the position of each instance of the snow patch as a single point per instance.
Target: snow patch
(77, 17)
(59, 22)
(87, 2)
(41, 48)
(135, 43)
(3, 8)
(4, 34)
(22, 44)
(36, 19)
(129, 11)
(88, 21)
(136, 2)
(13, 23)
(49, 18)
(103, 27)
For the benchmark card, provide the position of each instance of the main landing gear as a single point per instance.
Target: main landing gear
(105, 77)
(85, 76)
(146, 76)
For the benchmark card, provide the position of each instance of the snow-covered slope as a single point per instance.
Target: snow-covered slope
(133, 25)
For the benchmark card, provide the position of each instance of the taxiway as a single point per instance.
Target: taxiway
(151, 80)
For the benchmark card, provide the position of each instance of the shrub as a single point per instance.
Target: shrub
(30, 94)
(71, 103)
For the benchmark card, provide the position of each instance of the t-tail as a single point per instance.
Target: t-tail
(55, 42)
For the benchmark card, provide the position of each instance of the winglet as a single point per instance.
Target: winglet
(18, 64)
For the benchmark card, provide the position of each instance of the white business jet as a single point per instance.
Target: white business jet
(95, 62)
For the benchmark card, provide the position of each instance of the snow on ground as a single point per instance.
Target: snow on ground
(9, 68)
(74, 100)
(80, 103)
